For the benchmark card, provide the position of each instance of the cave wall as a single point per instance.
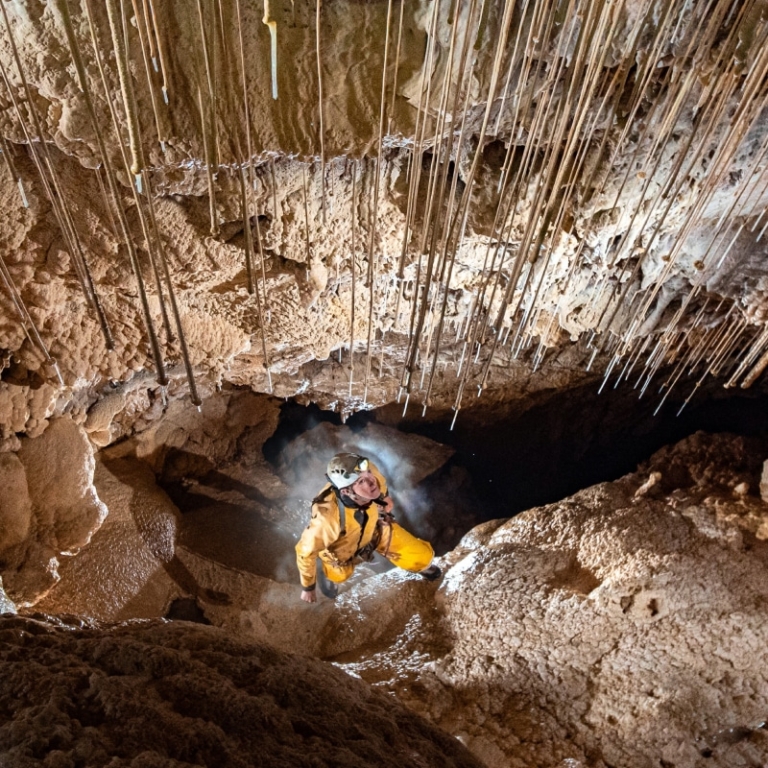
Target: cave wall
(612, 627)
(628, 144)
(555, 193)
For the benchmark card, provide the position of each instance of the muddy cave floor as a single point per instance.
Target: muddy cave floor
(508, 465)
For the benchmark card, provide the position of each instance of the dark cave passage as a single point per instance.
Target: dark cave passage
(503, 463)
(573, 440)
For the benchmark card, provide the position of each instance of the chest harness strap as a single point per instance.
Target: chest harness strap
(361, 515)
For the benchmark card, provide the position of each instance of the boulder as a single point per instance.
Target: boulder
(610, 628)
(59, 466)
(52, 511)
(16, 510)
(129, 569)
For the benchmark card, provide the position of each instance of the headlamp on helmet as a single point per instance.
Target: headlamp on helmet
(345, 468)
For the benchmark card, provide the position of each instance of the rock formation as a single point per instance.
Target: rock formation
(50, 508)
(208, 207)
(624, 626)
(621, 626)
(540, 195)
(151, 695)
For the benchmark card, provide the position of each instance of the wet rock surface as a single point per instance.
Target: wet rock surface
(128, 569)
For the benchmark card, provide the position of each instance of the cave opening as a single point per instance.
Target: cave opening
(568, 442)
(495, 463)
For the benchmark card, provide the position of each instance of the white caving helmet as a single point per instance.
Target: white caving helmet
(345, 468)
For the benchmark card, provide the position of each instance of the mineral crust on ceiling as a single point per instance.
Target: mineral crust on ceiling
(358, 202)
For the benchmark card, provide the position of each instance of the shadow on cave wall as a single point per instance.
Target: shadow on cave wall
(573, 440)
(234, 532)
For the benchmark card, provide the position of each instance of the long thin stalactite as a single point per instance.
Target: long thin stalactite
(668, 146)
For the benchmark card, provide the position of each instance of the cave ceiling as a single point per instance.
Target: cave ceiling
(357, 202)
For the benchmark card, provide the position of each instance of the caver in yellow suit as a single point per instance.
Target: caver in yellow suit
(344, 532)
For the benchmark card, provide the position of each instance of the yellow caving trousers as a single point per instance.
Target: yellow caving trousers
(399, 547)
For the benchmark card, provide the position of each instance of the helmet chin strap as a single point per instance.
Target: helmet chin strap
(352, 496)
(355, 500)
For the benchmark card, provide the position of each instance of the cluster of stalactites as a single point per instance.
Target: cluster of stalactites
(583, 117)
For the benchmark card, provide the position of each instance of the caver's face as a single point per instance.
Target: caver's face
(366, 487)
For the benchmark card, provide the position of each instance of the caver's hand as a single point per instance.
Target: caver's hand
(308, 596)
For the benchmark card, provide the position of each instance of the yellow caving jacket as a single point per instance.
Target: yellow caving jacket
(322, 536)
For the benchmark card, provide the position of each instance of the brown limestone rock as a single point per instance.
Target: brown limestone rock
(100, 416)
(52, 475)
(129, 569)
(184, 441)
(59, 466)
(16, 509)
(607, 629)
(181, 694)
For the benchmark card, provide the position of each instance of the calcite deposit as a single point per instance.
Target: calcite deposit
(209, 207)
(6, 605)
(50, 508)
(540, 195)
(623, 626)
(149, 695)
(126, 571)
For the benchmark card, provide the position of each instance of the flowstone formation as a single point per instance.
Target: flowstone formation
(102, 520)
(208, 207)
(49, 508)
(623, 626)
